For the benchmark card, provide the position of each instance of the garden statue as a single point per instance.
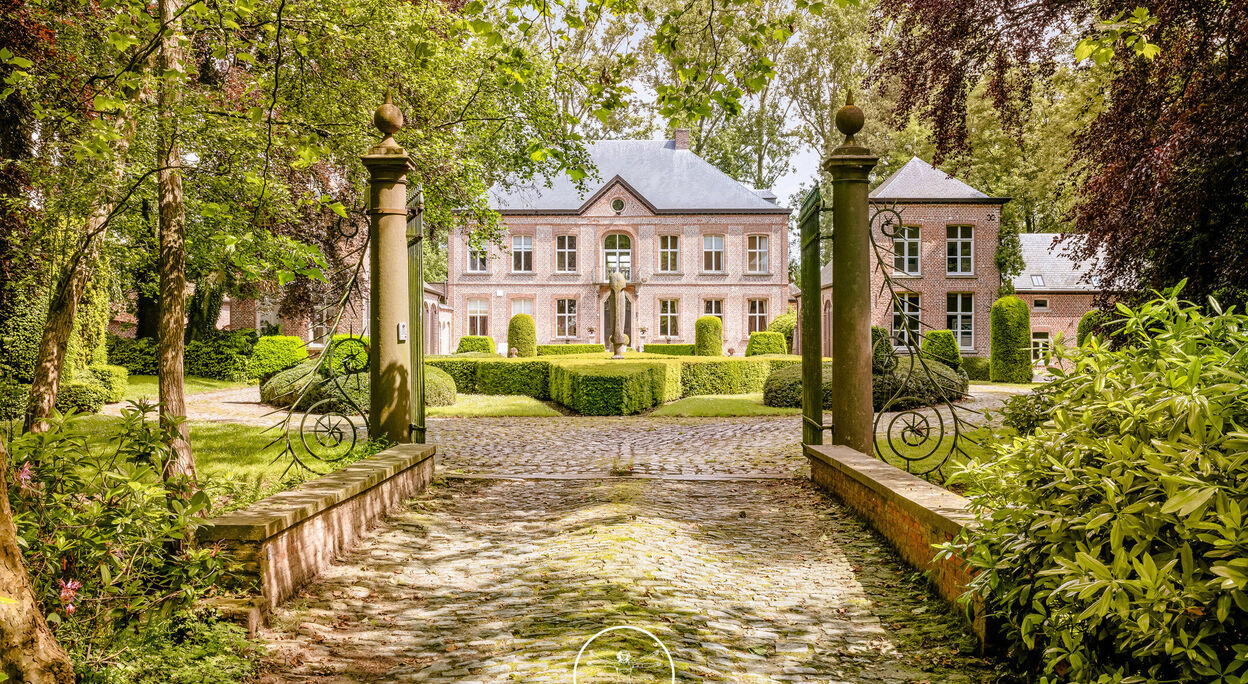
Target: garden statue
(618, 338)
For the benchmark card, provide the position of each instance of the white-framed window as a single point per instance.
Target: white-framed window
(1040, 304)
(478, 261)
(1037, 281)
(522, 253)
(1040, 346)
(565, 318)
(478, 316)
(960, 318)
(713, 253)
(618, 250)
(319, 325)
(756, 315)
(959, 250)
(756, 256)
(522, 306)
(669, 318)
(669, 254)
(906, 250)
(713, 307)
(906, 319)
(565, 253)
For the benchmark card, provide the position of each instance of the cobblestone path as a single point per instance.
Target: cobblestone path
(504, 580)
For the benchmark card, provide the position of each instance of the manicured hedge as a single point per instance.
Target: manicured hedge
(785, 324)
(784, 386)
(521, 336)
(708, 336)
(275, 353)
(766, 343)
(728, 375)
(669, 349)
(617, 388)
(224, 356)
(463, 371)
(344, 393)
(439, 387)
(514, 376)
(138, 356)
(283, 387)
(883, 355)
(82, 393)
(348, 353)
(563, 349)
(940, 345)
(115, 379)
(976, 368)
(13, 398)
(476, 343)
(1010, 356)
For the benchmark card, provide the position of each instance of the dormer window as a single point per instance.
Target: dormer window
(1037, 281)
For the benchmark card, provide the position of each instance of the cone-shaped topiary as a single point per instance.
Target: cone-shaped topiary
(883, 356)
(785, 324)
(475, 343)
(1010, 357)
(522, 335)
(708, 337)
(941, 346)
(765, 343)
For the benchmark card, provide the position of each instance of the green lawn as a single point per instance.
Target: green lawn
(145, 386)
(499, 405)
(721, 406)
(1020, 385)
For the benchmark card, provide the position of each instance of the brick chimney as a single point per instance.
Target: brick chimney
(681, 138)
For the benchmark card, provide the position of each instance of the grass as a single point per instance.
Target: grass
(470, 405)
(146, 386)
(722, 406)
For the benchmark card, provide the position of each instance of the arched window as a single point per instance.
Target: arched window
(618, 249)
(827, 327)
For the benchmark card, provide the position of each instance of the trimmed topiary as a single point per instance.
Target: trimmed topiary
(765, 343)
(439, 387)
(668, 349)
(521, 335)
(136, 356)
(564, 349)
(530, 378)
(883, 355)
(82, 393)
(275, 353)
(941, 346)
(1010, 355)
(284, 386)
(976, 368)
(224, 356)
(115, 379)
(909, 383)
(785, 324)
(348, 354)
(615, 388)
(708, 337)
(476, 343)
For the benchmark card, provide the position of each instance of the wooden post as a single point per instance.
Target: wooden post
(416, 307)
(811, 333)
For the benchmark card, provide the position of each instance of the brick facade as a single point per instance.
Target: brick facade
(690, 285)
(1061, 313)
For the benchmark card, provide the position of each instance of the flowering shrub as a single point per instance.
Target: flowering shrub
(104, 534)
(1112, 542)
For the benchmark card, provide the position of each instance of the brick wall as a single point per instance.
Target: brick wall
(1062, 314)
(690, 286)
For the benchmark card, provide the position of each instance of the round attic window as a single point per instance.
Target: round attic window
(617, 204)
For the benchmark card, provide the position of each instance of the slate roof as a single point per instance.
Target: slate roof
(667, 180)
(1044, 257)
(919, 181)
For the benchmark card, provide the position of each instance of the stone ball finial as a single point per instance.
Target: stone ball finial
(388, 118)
(849, 119)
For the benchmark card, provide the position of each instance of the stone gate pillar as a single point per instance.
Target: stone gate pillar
(849, 166)
(389, 368)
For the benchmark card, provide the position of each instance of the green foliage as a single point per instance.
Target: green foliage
(21, 330)
(223, 356)
(708, 337)
(1026, 412)
(462, 370)
(766, 343)
(1110, 542)
(86, 345)
(910, 383)
(883, 355)
(612, 388)
(115, 379)
(564, 349)
(137, 356)
(13, 398)
(82, 392)
(347, 393)
(439, 387)
(723, 375)
(940, 345)
(669, 349)
(284, 387)
(530, 378)
(1010, 355)
(977, 368)
(273, 354)
(95, 526)
(194, 648)
(521, 336)
(476, 343)
(785, 324)
(1091, 323)
(348, 354)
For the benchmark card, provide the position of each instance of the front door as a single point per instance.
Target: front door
(609, 321)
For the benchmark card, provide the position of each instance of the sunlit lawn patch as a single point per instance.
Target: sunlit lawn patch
(723, 406)
(494, 405)
(145, 386)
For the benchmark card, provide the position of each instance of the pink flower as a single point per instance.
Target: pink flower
(69, 608)
(24, 476)
(68, 591)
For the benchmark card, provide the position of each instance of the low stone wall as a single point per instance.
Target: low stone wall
(286, 539)
(910, 512)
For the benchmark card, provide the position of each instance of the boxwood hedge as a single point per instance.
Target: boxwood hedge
(529, 377)
(476, 343)
(82, 393)
(1010, 353)
(276, 353)
(563, 349)
(784, 386)
(521, 335)
(708, 337)
(115, 379)
(137, 356)
(668, 349)
(766, 343)
(940, 345)
(620, 388)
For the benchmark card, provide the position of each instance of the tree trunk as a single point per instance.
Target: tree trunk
(171, 262)
(28, 650)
